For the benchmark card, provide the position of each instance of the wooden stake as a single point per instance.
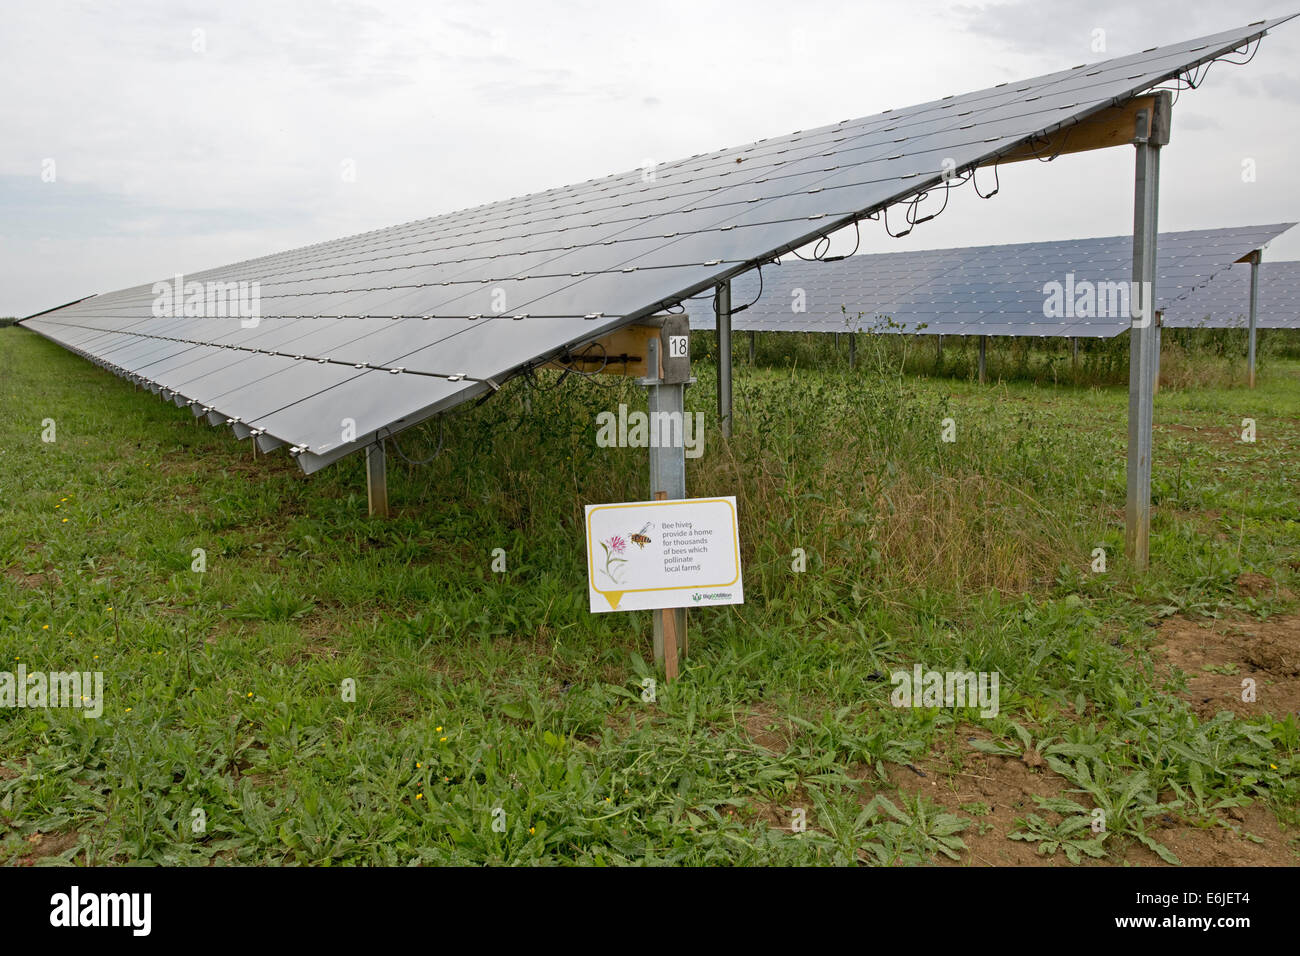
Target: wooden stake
(669, 617)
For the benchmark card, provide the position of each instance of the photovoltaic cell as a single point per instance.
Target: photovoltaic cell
(391, 326)
(978, 290)
(1224, 303)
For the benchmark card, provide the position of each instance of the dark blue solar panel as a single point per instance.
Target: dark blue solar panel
(980, 290)
(1224, 302)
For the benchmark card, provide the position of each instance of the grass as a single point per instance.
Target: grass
(337, 690)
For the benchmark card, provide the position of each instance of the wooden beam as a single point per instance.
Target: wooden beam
(1109, 127)
(621, 352)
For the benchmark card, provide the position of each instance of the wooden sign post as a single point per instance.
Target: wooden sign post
(666, 630)
(666, 381)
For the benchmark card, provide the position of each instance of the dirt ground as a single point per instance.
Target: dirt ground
(1215, 655)
(1007, 786)
(1221, 659)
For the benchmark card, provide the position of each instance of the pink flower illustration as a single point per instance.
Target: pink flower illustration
(614, 547)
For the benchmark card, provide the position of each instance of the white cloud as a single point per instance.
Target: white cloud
(173, 160)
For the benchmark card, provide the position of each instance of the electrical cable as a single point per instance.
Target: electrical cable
(997, 182)
(1064, 139)
(392, 437)
(735, 311)
(856, 243)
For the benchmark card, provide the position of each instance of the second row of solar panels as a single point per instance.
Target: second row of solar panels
(1028, 289)
(1225, 302)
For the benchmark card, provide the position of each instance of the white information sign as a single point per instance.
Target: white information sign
(660, 554)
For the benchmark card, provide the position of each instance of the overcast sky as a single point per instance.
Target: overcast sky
(142, 139)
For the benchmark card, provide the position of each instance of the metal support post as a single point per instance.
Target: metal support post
(1155, 379)
(666, 394)
(1254, 307)
(377, 479)
(1150, 134)
(722, 310)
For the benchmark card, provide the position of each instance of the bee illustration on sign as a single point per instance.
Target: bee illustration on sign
(616, 548)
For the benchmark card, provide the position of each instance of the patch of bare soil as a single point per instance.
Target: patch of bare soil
(1252, 837)
(779, 815)
(1224, 660)
(1215, 433)
(36, 581)
(1261, 585)
(47, 844)
(764, 727)
(995, 792)
(1006, 786)
(318, 642)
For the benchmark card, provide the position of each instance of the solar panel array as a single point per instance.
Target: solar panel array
(978, 290)
(1224, 303)
(378, 331)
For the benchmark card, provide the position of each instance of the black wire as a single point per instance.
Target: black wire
(604, 364)
(892, 234)
(997, 183)
(856, 243)
(911, 212)
(1194, 81)
(819, 251)
(1065, 139)
(1187, 80)
(747, 304)
(531, 377)
(947, 188)
(392, 437)
(1224, 58)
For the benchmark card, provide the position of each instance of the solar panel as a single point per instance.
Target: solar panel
(383, 329)
(978, 290)
(1224, 303)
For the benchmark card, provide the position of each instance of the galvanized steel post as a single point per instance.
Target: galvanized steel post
(983, 345)
(722, 309)
(1151, 132)
(377, 479)
(1254, 311)
(1160, 324)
